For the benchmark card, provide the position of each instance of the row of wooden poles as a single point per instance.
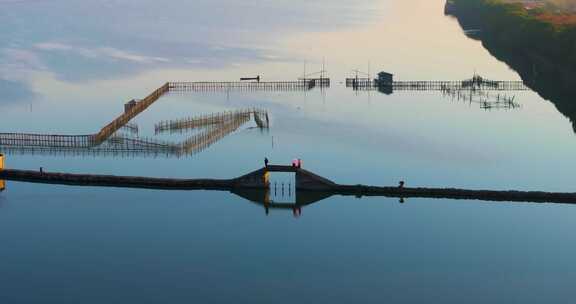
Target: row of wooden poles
(38, 142)
(118, 145)
(95, 140)
(365, 83)
(83, 141)
(211, 135)
(302, 84)
(45, 140)
(210, 120)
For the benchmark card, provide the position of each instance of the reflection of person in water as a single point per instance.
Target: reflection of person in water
(297, 211)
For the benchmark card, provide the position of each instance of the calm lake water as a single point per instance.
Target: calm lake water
(69, 67)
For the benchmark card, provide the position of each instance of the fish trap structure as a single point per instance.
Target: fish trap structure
(216, 126)
(210, 136)
(486, 100)
(191, 123)
(108, 140)
(475, 83)
(45, 140)
(279, 86)
(24, 144)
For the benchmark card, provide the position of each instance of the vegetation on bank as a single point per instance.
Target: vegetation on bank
(560, 15)
(530, 28)
(543, 53)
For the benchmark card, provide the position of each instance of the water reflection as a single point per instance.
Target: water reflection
(301, 199)
(484, 100)
(550, 77)
(211, 129)
(113, 40)
(476, 90)
(386, 83)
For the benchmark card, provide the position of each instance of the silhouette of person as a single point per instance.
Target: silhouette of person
(266, 162)
(401, 184)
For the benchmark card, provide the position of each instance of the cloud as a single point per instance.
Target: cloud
(16, 64)
(76, 61)
(120, 54)
(52, 46)
(100, 52)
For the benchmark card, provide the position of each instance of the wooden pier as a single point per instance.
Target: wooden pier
(305, 181)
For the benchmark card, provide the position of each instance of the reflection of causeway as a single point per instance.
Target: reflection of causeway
(108, 141)
(310, 187)
(121, 144)
(262, 197)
